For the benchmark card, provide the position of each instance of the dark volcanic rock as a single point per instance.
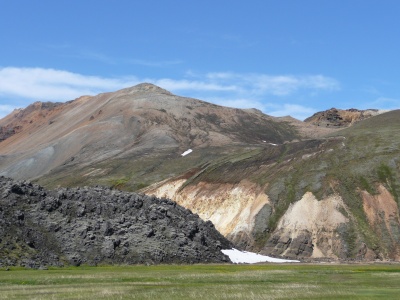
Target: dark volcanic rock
(99, 225)
(292, 248)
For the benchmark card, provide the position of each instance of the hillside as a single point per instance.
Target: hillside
(335, 198)
(128, 138)
(94, 226)
(31, 117)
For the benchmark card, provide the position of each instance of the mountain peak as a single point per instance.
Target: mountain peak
(146, 87)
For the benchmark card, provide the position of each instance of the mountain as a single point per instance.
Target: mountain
(277, 186)
(128, 138)
(94, 226)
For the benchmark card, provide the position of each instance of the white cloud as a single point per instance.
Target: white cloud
(265, 92)
(239, 103)
(299, 112)
(254, 90)
(279, 85)
(192, 85)
(50, 84)
(55, 85)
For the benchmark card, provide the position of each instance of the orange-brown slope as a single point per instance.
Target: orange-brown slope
(24, 119)
(340, 118)
(136, 121)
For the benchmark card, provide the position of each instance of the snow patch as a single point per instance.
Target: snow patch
(244, 257)
(187, 152)
(272, 144)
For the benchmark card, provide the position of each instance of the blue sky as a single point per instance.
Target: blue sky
(286, 57)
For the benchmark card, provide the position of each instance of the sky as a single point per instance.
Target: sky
(286, 57)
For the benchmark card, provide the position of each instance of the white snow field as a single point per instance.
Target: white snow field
(187, 152)
(244, 257)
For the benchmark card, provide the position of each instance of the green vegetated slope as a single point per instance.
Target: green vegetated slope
(134, 172)
(358, 163)
(372, 150)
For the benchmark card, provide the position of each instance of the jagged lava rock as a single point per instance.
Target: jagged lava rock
(99, 225)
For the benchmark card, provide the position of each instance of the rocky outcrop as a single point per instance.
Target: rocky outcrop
(8, 131)
(340, 118)
(231, 207)
(310, 228)
(99, 226)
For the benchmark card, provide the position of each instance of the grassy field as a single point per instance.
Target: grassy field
(323, 281)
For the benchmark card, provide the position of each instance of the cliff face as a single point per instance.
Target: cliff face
(232, 208)
(309, 228)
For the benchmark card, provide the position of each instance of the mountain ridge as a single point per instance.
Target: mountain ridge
(128, 122)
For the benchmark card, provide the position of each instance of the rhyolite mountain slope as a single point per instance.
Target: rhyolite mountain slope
(131, 137)
(30, 117)
(335, 197)
(274, 185)
(94, 226)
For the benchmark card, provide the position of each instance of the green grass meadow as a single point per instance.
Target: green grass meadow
(322, 281)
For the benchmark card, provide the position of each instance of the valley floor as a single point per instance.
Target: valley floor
(264, 281)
